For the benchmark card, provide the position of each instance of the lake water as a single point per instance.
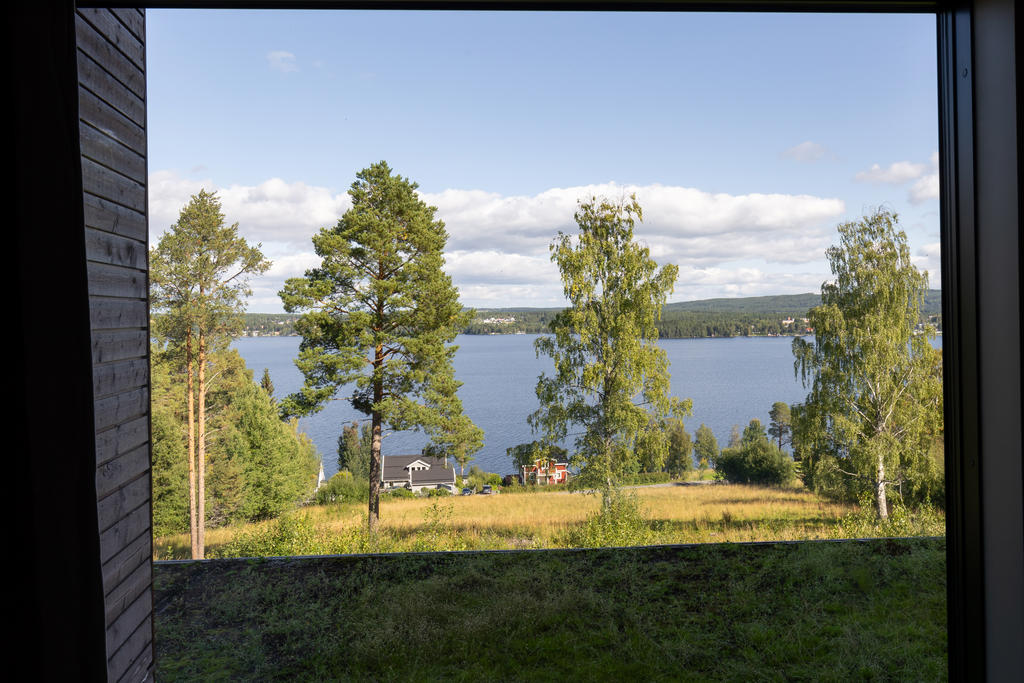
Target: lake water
(730, 381)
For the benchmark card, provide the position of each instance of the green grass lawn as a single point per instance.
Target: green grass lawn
(813, 611)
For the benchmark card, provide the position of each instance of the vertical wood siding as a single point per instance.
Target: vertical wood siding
(112, 113)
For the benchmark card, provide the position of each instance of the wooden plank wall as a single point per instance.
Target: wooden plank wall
(112, 121)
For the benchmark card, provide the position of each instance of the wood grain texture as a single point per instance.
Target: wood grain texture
(110, 25)
(111, 345)
(116, 281)
(121, 471)
(133, 19)
(121, 439)
(117, 314)
(115, 250)
(114, 410)
(112, 186)
(122, 662)
(126, 592)
(110, 121)
(108, 151)
(97, 80)
(123, 502)
(122, 68)
(122, 565)
(119, 220)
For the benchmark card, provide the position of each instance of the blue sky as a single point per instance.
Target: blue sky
(746, 137)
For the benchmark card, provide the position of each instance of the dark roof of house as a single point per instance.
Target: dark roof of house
(395, 468)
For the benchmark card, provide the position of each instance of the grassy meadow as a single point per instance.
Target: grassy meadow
(673, 514)
(818, 611)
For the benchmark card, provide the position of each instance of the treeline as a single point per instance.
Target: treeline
(268, 324)
(742, 317)
(257, 465)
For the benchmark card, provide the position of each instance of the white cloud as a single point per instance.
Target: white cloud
(926, 177)
(928, 258)
(806, 152)
(280, 60)
(896, 173)
(925, 188)
(498, 247)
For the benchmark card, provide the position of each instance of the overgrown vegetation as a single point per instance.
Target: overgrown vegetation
(258, 466)
(813, 612)
(551, 518)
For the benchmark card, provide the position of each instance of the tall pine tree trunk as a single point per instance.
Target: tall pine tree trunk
(201, 439)
(193, 518)
(373, 518)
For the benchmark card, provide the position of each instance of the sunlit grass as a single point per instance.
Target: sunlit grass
(675, 514)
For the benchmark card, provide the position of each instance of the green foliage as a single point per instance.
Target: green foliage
(458, 438)
(343, 488)
(603, 347)
(170, 463)
(618, 523)
(874, 410)
(705, 448)
(926, 520)
(259, 466)
(400, 492)
(290, 535)
(755, 461)
(780, 429)
(379, 317)
(478, 478)
(354, 450)
(199, 275)
(526, 454)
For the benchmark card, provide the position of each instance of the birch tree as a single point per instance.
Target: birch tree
(610, 378)
(875, 398)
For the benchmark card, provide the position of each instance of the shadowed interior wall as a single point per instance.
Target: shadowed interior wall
(112, 110)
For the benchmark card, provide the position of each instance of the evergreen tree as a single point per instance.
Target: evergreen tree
(380, 315)
(354, 450)
(706, 448)
(199, 278)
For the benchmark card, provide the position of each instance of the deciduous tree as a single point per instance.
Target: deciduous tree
(610, 378)
(379, 316)
(875, 398)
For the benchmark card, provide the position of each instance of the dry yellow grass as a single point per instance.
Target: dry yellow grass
(677, 514)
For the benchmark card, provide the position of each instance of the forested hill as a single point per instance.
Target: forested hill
(745, 316)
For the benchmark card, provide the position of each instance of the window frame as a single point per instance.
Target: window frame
(982, 323)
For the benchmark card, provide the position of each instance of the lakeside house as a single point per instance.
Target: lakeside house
(416, 472)
(544, 472)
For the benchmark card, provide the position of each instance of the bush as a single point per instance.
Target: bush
(288, 535)
(398, 493)
(343, 488)
(618, 523)
(755, 461)
(435, 493)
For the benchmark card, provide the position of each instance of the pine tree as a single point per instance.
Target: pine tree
(380, 316)
(199, 278)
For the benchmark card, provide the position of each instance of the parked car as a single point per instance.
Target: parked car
(485, 490)
(467, 491)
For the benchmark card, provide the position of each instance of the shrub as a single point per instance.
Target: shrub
(398, 493)
(619, 522)
(756, 460)
(343, 488)
(435, 493)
